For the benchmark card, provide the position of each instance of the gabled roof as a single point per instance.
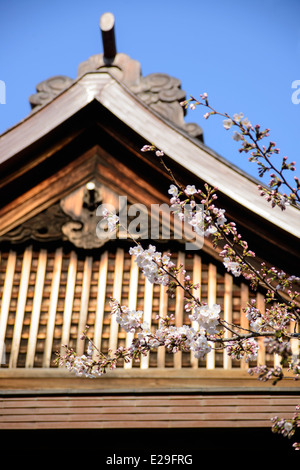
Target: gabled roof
(148, 111)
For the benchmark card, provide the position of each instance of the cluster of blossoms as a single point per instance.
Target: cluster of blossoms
(112, 219)
(253, 314)
(182, 338)
(153, 264)
(207, 219)
(207, 317)
(85, 365)
(250, 137)
(232, 266)
(245, 349)
(274, 197)
(237, 118)
(287, 427)
(128, 319)
(265, 373)
(203, 220)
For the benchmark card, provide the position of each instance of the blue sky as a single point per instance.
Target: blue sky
(245, 55)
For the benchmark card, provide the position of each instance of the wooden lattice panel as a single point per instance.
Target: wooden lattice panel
(49, 296)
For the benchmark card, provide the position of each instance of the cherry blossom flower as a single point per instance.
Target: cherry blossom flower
(112, 219)
(227, 123)
(237, 136)
(238, 117)
(173, 190)
(207, 317)
(232, 266)
(190, 190)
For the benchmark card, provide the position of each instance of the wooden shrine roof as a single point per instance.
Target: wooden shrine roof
(92, 129)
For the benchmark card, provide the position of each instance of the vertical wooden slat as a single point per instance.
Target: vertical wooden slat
(117, 293)
(179, 306)
(294, 344)
(68, 307)
(197, 267)
(148, 298)
(5, 303)
(228, 283)
(52, 306)
(36, 308)
(25, 273)
(102, 279)
(211, 299)
(244, 322)
(261, 355)
(84, 306)
(163, 310)
(133, 290)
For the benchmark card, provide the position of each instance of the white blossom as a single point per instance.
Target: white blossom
(238, 117)
(227, 123)
(129, 320)
(200, 347)
(288, 426)
(190, 190)
(112, 219)
(207, 317)
(236, 136)
(246, 123)
(232, 266)
(173, 190)
(150, 262)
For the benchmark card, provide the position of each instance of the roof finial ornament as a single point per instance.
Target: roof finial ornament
(107, 26)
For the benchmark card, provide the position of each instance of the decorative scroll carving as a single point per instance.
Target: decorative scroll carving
(48, 89)
(75, 219)
(44, 227)
(163, 93)
(159, 91)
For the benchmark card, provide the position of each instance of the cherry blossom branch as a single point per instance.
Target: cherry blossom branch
(257, 152)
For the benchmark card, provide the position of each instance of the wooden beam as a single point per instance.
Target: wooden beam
(102, 279)
(84, 306)
(6, 298)
(68, 308)
(107, 27)
(117, 294)
(179, 306)
(211, 299)
(36, 308)
(52, 306)
(197, 275)
(261, 355)
(244, 322)
(148, 299)
(132, 299)
(22, 297)
(228, 283)
(163, 310)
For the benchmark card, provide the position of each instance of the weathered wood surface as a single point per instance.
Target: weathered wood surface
(145, 411)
